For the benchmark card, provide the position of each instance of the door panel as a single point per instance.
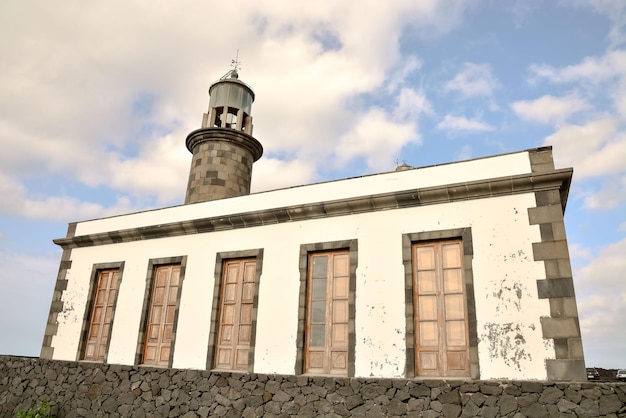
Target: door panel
(101, 315)
(441, 313)
(160, 328)
(328, 313)
(236, 311)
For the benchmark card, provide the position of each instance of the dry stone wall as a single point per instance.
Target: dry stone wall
(103, 390)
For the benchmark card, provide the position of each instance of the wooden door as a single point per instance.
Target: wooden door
(160, 327)
(441, 327)
(101, 315)
(327, 313)
(236, 306)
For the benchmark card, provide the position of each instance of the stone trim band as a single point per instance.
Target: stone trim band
(557, 180)
(227, 135)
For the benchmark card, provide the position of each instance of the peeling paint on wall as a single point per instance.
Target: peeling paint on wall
(382, 364)
(509, 293)
(507, 342)
(68, 314)
(520, 254)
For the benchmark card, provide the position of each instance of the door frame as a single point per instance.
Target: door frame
(305, 250)
(220, 258)
(465, 235)
(150, 276)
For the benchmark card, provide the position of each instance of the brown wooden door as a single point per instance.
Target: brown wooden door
(101, 315)
(237, 303)
(327, 313)
(441, 327)
(160, 327)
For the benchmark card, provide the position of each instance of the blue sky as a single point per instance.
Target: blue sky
(96, 101)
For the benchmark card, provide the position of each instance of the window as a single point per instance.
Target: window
(236, 309)
(328, 313)
(231, 118)
(101, 315)
(162, 315)
(326, 334)
(218, 111)
(440, 307)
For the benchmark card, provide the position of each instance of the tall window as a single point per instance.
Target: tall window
(236, 314)
(231, 118)
(101, 316)
(327, 317)
(162, 314)
(218, 116)
(441, 325)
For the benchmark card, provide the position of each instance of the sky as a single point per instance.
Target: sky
(97, 98)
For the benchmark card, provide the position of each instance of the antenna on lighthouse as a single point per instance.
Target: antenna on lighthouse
(236, 65)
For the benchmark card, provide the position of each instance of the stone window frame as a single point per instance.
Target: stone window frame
(220, 259)
(96, 269)
(465, 235)
(305, 250)
(153, 263)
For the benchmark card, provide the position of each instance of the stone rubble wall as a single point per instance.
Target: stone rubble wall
(79, 389)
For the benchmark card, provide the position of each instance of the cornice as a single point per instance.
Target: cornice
(242, 139)
(480, 189)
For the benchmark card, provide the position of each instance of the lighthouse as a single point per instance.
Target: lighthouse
(223, 148)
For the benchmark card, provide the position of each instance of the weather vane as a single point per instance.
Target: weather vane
(236, 64)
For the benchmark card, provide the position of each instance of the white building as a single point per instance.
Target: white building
(457, 270)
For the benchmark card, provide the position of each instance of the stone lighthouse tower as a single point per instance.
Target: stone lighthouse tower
(223, 149)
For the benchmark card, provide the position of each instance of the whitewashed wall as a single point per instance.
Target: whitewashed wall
(484, 168)
(507, 308)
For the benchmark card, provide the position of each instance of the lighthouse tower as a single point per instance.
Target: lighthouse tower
(223, 149)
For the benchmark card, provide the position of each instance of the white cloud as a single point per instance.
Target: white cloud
(377, 139)
(112, 107)
(378, 135)
(605, 75)
(578, 251)
(474, 80)
(26, 287)
(590, 69)
(398, 74)
(611, 195)
(606, 269)
(461, 123)
(549, 109)
(53, 207)
(601, 295)
(615, 10)
(411, 104)
(596, 145)
(271, 173)
(593, 149)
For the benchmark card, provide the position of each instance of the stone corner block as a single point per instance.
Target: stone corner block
(560, 327)
(550, 250)
(545, 214)
(46, 353)
(555, 288)
(566, 369)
